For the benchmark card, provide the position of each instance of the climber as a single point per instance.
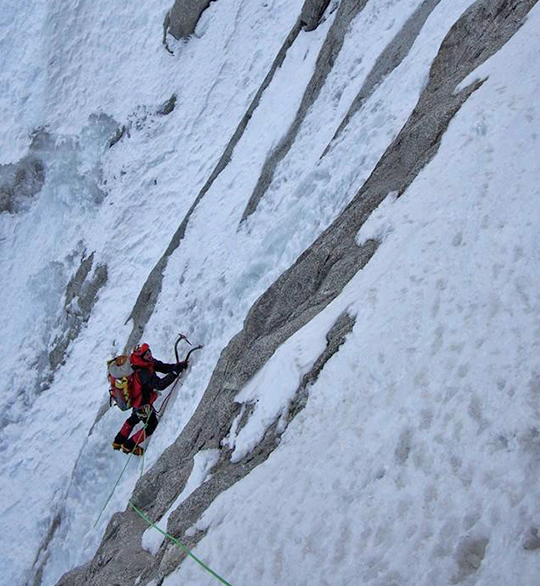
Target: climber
(144, 389)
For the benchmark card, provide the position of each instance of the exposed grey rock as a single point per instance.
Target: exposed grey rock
(469, 556)
(81, 295)
(118, 135)
(168, 106)
(331, 48)
(184, 16)
(531, 540)
(146, 301)
(20, 181)
(42, 554)
(389, 59)
(139, 117)
(312, 12)
(299, 294)
(334, 339)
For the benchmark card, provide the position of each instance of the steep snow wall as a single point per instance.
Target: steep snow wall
(317, 278)
(338, 199)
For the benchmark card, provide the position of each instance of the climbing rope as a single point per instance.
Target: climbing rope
(118, 480)
(161, 410)
(179, 544)
(163, 407)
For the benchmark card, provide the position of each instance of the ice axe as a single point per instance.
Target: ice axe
(179, 339)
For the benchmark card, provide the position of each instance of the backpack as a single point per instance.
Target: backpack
(121, 376)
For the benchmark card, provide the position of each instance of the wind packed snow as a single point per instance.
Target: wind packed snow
(417, 457)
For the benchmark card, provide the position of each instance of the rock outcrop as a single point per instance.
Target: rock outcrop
(312, 12)
(20, 182)
(184, 16)
(81, 295)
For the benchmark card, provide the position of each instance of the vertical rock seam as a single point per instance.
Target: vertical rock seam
(147, 299)
(81, 296)
(388, 61)
(330, 50)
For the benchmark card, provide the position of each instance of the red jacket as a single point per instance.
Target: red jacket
(146, 382)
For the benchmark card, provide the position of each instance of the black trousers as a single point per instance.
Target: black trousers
(136, 417)
(151, 421)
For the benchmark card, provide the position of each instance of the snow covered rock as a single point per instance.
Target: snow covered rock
(312, 12)
(19, 182)
(81, 296)
(184, 16)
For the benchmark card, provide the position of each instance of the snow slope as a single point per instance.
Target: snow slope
(416, 458)
(429, 468)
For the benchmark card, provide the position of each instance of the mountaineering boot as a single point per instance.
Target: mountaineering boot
(118, 441)
(129, 447)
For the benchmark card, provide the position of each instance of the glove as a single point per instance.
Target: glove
(180, 366)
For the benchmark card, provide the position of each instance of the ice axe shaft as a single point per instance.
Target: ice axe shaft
(181, 337)
(178, 340)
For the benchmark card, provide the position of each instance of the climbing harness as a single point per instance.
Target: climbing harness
(179, 544)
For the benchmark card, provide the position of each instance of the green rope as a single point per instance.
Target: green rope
(112, 491)
(118, 480)
(180, 545)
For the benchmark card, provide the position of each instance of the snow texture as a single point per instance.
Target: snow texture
(152, 539)
(417, 456)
